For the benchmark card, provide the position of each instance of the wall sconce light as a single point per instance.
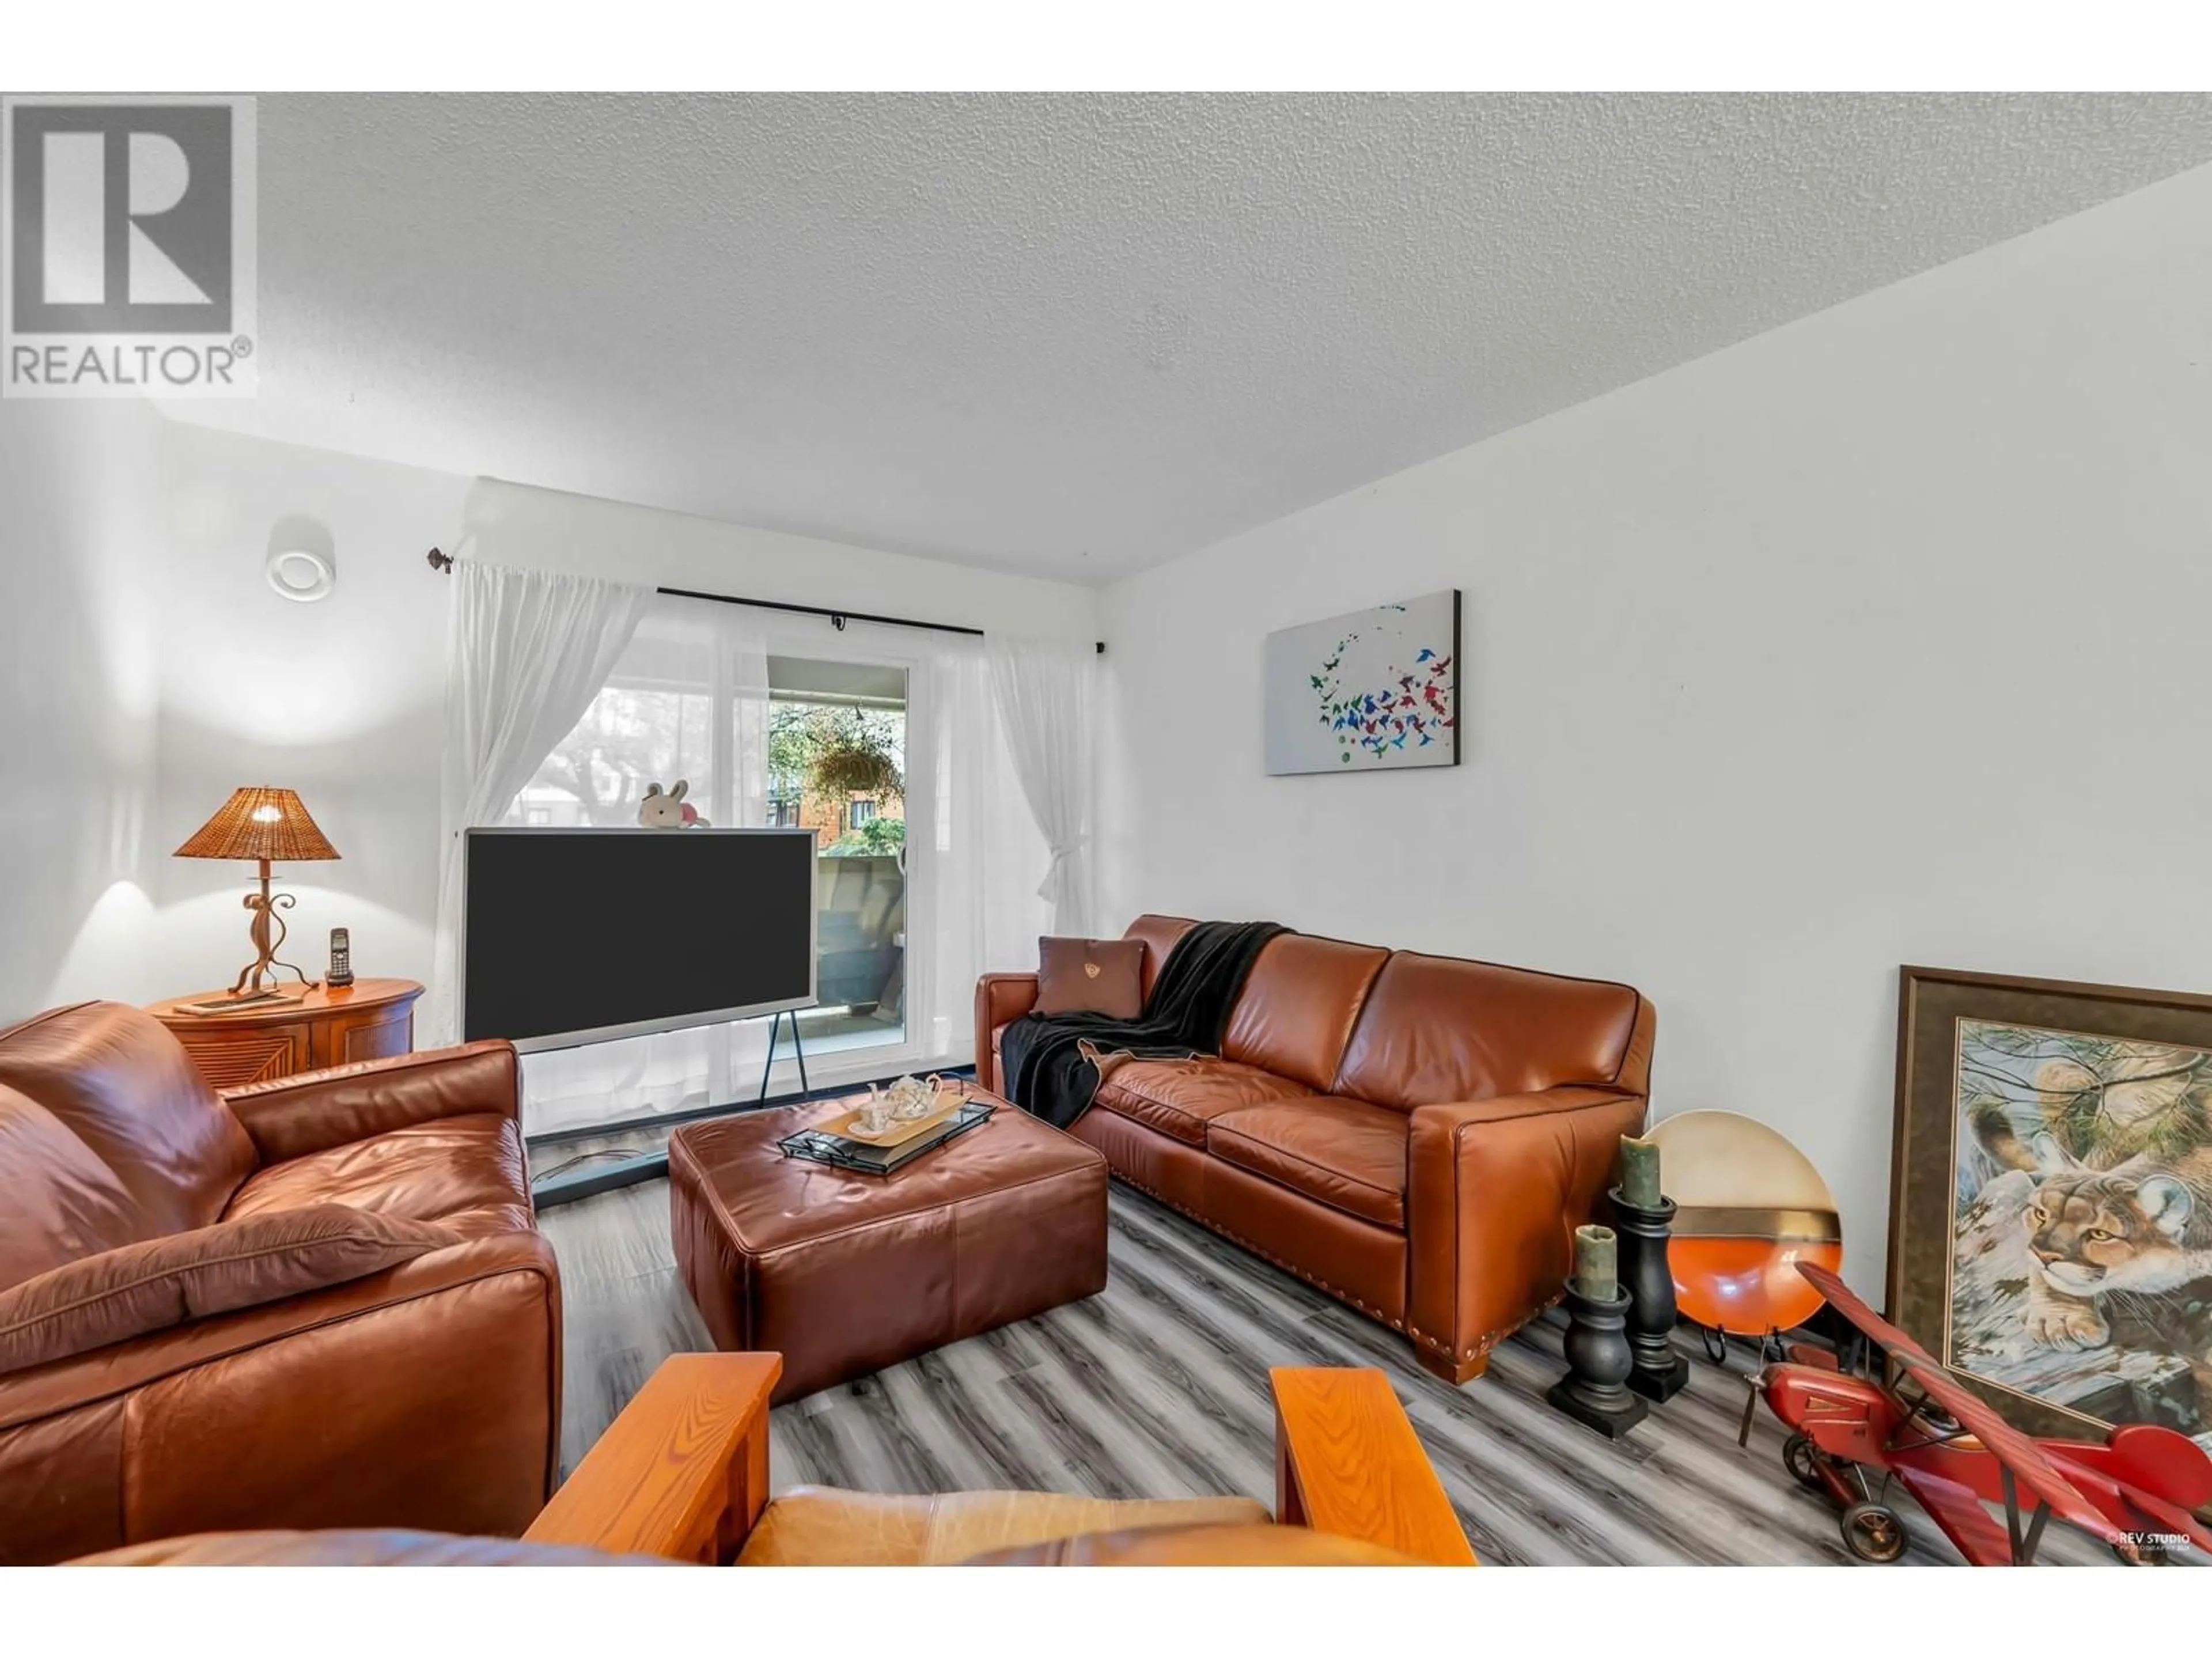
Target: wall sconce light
(302, 575)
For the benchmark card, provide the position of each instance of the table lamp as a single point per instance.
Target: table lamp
(261, 825)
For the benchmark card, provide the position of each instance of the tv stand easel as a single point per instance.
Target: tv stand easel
(799, 1052)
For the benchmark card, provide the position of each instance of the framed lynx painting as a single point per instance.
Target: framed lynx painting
(2051, 1204)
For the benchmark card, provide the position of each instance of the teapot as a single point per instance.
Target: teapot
(911, 1097)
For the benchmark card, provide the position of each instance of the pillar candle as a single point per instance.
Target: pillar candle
(1597, 1273)
(1639, 1172)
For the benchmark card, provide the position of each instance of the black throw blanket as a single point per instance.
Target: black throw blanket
(1042, 1064)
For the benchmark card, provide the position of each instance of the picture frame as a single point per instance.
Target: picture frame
(1371, 690)
(2050, 1196)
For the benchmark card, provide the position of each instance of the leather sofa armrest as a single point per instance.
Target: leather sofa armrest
(999, 997)
(293, 1116)
(108, 1373)
(1495, 1190)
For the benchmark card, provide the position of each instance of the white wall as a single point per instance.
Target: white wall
(78, 535)
(150, 671)
(1881, 638)
(341, 700)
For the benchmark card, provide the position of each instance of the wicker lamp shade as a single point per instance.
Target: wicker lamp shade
(260, 823)
(268, 826)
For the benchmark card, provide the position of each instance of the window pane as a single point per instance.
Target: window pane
(632, 736)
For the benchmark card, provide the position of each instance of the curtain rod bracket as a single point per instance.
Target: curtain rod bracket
(443, 562)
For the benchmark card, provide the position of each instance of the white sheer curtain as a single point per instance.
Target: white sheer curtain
(1043, 691)
(951, 748)
(528, 652)
(696, 680)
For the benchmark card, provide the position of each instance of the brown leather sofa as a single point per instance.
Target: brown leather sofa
(425, 1395)
(1417, 1135)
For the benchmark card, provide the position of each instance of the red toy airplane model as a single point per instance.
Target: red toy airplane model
(1953, 1453)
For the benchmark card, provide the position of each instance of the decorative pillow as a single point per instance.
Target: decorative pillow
(1090, 976)
(149, 1286)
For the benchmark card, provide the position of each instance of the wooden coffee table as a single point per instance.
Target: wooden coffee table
(845, 1273)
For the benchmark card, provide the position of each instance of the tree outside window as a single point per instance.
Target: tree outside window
(843, 767)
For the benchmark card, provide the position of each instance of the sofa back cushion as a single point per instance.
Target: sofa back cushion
(124, 1087)
(1437, 1029)
(1158, 935)
(58, 1203)
(1299, 1006)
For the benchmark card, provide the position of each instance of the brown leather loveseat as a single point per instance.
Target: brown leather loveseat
(1417, 1135)
(321, 1301)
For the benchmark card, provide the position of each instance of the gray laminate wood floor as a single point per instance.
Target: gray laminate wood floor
(1158, 1388)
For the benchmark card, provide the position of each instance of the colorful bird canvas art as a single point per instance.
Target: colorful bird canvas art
(1374, 690)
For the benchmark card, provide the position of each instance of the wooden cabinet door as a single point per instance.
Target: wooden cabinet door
(231, 1055)
(393, 1032)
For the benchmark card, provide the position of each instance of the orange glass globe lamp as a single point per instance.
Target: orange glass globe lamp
(1749, 1208)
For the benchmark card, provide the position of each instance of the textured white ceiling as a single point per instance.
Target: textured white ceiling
(1073, 335)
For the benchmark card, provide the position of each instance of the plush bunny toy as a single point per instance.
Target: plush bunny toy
(670, 811)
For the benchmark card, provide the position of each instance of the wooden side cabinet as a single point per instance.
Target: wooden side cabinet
(369, 1019)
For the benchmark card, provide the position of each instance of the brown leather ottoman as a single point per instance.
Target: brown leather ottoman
(843, 1274)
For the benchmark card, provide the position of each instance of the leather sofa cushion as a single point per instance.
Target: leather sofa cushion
(1090, 976)
(1437, 1029)
(58, 1201)
(1347, 1154)
(124, 1087)
(822, 1526)
(1180, 1098)
(1300, 1005)
(465, 1171)
(128, 1292)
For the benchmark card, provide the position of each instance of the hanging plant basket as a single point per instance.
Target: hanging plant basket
(856, 767)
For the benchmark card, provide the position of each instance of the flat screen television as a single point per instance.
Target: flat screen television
(574, 936)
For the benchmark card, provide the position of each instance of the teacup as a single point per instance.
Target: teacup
(873, 1116)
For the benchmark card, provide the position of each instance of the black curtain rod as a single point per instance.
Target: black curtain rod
(838, 617)
(444, 562)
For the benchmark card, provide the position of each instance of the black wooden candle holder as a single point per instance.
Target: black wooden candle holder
(1598, 1360)
(1660, 1373)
